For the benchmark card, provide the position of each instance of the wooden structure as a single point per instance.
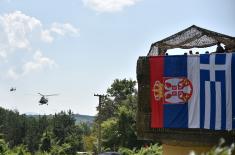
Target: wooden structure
(173, 137)
(178, 141)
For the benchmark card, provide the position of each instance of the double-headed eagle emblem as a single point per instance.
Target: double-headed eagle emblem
(173, 90)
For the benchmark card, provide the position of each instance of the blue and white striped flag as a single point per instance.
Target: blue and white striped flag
(212, 105)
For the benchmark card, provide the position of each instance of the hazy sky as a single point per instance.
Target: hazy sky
(78, 47)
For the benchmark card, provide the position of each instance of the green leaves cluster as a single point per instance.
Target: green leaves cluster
(221, 149)
(118, 116)
(55, 134)
(148, 150)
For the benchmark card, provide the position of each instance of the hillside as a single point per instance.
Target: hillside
(79, 118)
(83, 118)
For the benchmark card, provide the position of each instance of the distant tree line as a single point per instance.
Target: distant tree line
(57, 134)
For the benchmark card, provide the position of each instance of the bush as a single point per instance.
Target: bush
(220, 149)
(126, 151)
(3, 147)
(149, 150)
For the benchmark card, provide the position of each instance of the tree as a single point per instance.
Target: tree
(110, 134)
(89, 143)
(46, 142)
(57, 134)
(85, 128)
(60, 150)
(19, 150)
(120, 89)
(126, 128)
(118, 113)
(118, 116)
(43, 123)
(3, 147)
(62, 125)
(13, 128)
(74, 139)
(152, 149)
(107, 110)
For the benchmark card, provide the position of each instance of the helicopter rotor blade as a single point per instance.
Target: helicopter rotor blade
(52, 95)
(31, 94)
(41, 94)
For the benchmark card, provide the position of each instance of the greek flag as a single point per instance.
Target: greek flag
(212, 105)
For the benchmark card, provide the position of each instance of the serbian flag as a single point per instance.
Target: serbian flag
(194, 91)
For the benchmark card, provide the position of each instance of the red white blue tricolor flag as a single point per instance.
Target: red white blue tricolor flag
(195, 91)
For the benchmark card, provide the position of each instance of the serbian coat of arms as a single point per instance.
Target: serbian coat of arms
(173, 90)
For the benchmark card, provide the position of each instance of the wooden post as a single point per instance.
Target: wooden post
(99, 121)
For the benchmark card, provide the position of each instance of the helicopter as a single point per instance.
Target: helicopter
(13, 89)
(44, 99)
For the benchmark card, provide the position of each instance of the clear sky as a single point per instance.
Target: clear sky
(78, 47)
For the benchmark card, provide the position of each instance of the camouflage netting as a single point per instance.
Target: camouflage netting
(192, 37)
(183, 137)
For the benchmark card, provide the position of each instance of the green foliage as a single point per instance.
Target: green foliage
(221, 149)
(150, 150)
(3, 147)
(126, 151)
(89, 142)
(83, 119)
(32, 134)
(62, 125)
(59, 134)
(110, 133)
(125, 128)
(42, 153)
(12, 126)
(75, 141)
(85, 128)
(120, 89)
(44, 135)
(46, 142)
(118, 116)
(19, 150)
(64, 149)
(107, 110)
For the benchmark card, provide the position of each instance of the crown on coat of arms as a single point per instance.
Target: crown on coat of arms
(158, 90)
(173, 90)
